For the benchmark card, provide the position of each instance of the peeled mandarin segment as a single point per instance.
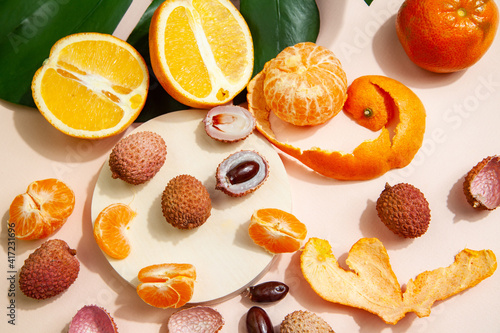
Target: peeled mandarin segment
(370, 284)
(53, 197)
(110, 227)
(371, 158)
(91, 86)
(163, 272)
(305, 84)
(277, 231)
(173, 293)
(201, 51)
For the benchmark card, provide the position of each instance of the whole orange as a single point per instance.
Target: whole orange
(446, 36)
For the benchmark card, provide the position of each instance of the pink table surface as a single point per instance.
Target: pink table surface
(462, 127)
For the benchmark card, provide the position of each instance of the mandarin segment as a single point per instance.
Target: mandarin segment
(110, 229)
(169, 285)
(201, 51)
(372, 158)
(276, 231)
(370, 282)
(42, 209)
(92, 85)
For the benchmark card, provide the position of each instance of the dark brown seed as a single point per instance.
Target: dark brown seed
(243, 172)
(271, 291)
(258, 321)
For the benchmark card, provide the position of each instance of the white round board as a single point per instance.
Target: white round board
(225, 257)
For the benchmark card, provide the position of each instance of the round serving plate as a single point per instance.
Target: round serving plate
(225, 258)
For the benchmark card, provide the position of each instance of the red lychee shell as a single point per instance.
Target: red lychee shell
(482, 184)
(92, 319)
(202, 319)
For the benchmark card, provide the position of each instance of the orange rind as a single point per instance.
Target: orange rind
(370, 282)
(392, 105)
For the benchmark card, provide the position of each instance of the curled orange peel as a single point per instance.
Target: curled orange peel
(371, 284)
(388, 100)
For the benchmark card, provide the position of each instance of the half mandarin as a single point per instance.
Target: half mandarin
(42, 209)
(169, 285)
(276, 231)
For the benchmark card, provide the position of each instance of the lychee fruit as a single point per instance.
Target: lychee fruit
(185, 202)
(304, 322)
(482, 184)
(404, 210)
(92, 319)
(49, 270)
(137, 158)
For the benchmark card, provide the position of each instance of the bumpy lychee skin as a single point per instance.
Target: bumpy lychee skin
(404, 210)
(304, 322)
(49, 270)
(137, 158)
(482, 184)
(185, 202)
(92, 319)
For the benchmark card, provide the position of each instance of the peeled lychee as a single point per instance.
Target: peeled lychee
(185, 202)
(304, 322)
(92, 319)
(49, 270)
(482, 184)
(137, 158)
(404, 210)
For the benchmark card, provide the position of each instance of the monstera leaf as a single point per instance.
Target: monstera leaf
(29, 28)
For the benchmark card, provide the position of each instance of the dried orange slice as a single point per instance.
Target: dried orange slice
(166, 285)
(201, 51)
(305, 84)
(92, 85)
(276, 231)
(389, 100)
(110, 227)
(43, 209)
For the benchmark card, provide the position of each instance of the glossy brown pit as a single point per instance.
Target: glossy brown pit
(258, 321)
(271, 291)
(243, 172)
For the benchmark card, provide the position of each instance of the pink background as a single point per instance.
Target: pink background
(462, 128)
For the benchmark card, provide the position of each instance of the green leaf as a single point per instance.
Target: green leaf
(277, 24)
(368, 2)
(30, 27)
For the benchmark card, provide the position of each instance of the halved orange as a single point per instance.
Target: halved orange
(201, 51)
(110, 230)
(92, 85)
(168, 285)
(43, 209)
(276, 231)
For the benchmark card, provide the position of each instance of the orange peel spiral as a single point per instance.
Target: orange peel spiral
(375, 102)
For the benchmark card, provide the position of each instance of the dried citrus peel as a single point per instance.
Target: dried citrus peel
(371, 284)
(372, 158)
